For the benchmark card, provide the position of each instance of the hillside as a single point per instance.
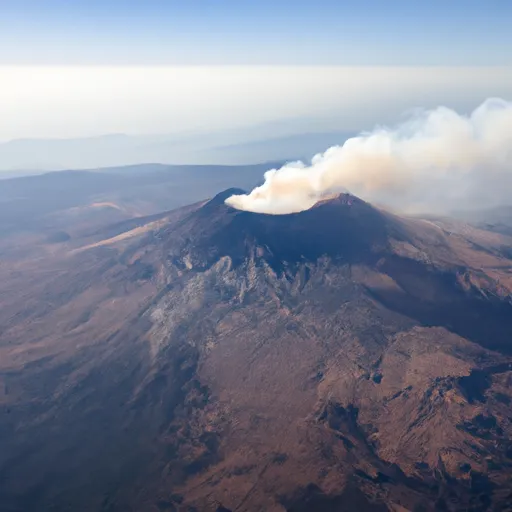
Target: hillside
(341, 358)
(69, 205)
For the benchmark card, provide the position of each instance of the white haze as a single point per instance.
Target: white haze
(88, 101)
(437, 161)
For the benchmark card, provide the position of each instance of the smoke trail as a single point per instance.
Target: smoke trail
(436, 161)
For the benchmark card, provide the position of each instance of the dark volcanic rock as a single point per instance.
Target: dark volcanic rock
(349, 231)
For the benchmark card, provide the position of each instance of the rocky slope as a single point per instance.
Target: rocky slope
(337, 359)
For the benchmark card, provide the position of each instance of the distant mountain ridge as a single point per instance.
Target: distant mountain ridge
(35, 155)
(51, 200)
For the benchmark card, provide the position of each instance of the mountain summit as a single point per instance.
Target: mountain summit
(340, 358)
(343, 227)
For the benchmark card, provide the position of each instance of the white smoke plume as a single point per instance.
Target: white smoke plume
(436, 161)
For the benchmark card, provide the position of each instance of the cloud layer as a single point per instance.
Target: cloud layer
(438, 160)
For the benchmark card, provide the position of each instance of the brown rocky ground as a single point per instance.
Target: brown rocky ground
(338, 359)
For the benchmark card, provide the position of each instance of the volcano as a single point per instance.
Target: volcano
(341, 358)
(343, 227)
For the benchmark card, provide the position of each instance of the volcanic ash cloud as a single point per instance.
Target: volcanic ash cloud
(438, 160)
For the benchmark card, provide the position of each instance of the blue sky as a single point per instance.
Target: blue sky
(287, 32)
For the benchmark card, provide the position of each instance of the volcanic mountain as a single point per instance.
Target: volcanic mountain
(342, 358)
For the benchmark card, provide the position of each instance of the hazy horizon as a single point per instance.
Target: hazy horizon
(192, 114)
(97, 84)
(77, 102)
